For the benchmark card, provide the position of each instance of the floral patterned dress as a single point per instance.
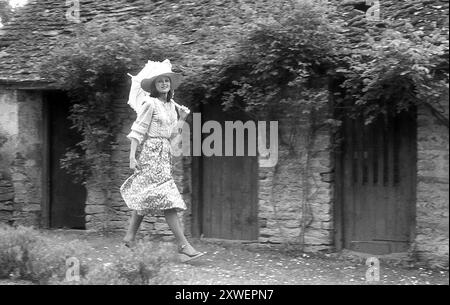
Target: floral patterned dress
(151, 188)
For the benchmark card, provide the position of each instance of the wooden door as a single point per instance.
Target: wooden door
(67, 199)
(377, 186)
(228, 188)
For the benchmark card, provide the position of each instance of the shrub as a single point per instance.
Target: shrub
(48, 260)
(14, 250)
(27, 254)
(143, 265)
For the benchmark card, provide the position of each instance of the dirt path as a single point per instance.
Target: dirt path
(234, 265)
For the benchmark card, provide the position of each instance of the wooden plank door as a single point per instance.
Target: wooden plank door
(377, 172)
(228, 188)
(67, 199)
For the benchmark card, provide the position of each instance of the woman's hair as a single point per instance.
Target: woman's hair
(154, 93)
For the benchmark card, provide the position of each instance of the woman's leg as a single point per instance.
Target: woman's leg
(135, 222)
(175, 225)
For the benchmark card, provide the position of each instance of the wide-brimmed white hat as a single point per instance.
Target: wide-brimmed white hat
(144, 79)
(156, 69)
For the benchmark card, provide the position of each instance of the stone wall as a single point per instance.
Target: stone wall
(28, 160)
(8, 135)
(283, 214)
(21, 154)
(6, 200)
(8, 130)
(295, 196)
(280, 188)
(432, 219)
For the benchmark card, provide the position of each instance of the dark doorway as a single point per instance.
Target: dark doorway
(66, 198)
(226, 186)
(376, 183)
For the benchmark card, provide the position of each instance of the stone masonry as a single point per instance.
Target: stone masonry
(432, 219)
(6, 200)
(21, 154)
(296, 196)
(284, 216)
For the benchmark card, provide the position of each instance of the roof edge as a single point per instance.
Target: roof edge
(27, 85)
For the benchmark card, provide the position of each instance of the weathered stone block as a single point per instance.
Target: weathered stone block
(160, 226)
(6, 196)
(6, 206)
(31, 207)
(5, 216)
(6, 189)
(318, 237)
(94, 209)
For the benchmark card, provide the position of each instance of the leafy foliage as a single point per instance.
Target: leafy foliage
(280, 64)
(5, 11)
(396, 72)
(144, 265)
(28, 254)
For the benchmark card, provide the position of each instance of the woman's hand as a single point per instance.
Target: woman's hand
(133, 163)
(183, 111)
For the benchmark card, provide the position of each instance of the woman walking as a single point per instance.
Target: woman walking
(151, 189)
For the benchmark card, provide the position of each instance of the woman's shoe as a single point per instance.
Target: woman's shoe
(129, 244)
(185, 257)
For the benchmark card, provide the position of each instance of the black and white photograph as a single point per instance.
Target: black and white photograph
(223, 150)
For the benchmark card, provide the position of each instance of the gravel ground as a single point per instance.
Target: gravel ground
(231, 264)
